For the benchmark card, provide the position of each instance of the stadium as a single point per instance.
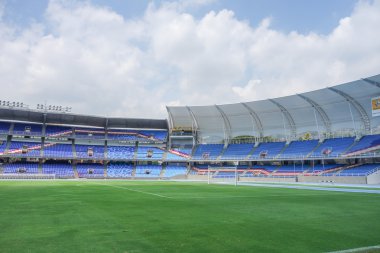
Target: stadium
(201, 179)
(165, 126)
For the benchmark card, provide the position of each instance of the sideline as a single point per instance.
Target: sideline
(134, 190)
(303, 187)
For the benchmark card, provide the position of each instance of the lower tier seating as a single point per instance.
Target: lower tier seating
(148, 170)
(119, 170)
(90, 170)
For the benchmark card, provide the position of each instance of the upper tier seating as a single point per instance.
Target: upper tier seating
(90, 133)
(82, 151)
(333, 147)
(61, 170)
(135, 135)
(27, 129)
(361, 170)
(90, 170)
(120, 152)
(58, 131)
(299, 149)
(144, 152)
(213, 151)
(365, 142)
(4, 127)
(237, 151)
(58, 150)
(174, 170)
(172, 157)
(119, 170)
(33, 148)
(159, 135)
(148, 170)
(125, 135)
(271, 149)
(28, 168)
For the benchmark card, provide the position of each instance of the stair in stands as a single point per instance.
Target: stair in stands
(330, 170)
(222, 152)
(347, 167)
(353, 144)
(11, 128)
(73, 149)
(40, 168)
(105, 150)
(134, 170)
(162, 173)
(315, 148)
(251, 151)
(135, 151)
(283, 149)
(165, 154)
(42, 147)
(75, 171)
(9, 140)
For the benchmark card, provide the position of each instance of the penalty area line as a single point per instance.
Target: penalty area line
(134, 190)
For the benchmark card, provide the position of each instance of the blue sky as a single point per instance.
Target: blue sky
(319, 16)
(133, 58)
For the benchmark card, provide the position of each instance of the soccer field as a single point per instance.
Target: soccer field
(128, 216)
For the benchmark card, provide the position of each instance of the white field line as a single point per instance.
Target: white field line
(134, 190)
(252, 196)
(364, 249)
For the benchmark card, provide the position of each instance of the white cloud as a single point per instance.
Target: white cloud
(92, 58)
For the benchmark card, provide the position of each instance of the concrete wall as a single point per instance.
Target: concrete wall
(267, 179)
(374, 178)
(333, 179)
(371, 179)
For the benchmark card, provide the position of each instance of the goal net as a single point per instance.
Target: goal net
(223, 175)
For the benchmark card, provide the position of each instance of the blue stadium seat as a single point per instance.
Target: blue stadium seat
(213, 150)
(333, 147)
(299, 149)
(92, 170)
(272, 149)
(119, 170)
(237, 151)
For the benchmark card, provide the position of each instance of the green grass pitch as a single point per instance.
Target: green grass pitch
(133, 217)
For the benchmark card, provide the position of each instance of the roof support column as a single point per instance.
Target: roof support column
(256, 119)
(171, 123)
(321, 112)
(194, 122)
(227, 126)
(289, 118)
(363, 114)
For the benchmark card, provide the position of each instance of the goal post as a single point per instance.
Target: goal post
(223, 175)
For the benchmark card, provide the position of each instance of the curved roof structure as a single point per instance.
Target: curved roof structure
(77, 119)
(328, 111)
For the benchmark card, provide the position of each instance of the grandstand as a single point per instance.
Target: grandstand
(329, 132)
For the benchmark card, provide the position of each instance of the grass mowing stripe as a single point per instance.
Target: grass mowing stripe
(134, 190)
